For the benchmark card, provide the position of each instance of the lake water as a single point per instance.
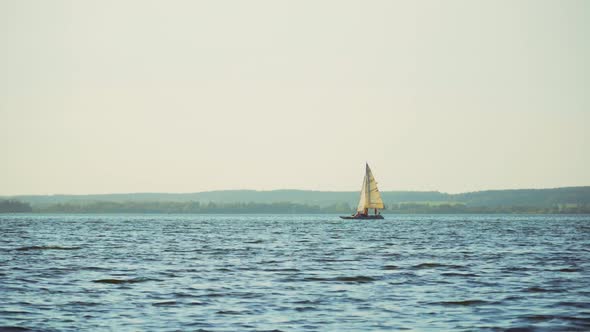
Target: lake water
(294, 273)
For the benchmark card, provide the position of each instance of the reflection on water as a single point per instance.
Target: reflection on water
(294, 273)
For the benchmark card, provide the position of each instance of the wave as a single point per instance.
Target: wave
(520, 329)
(229, 312)
(94, 268)
(212, 295)
(183, 295)
(84, 303)
(359, 279)
(457, 274)
(390, 267)
(300, 309)
(47, 248)
(14, 329)
(197, 303)
(328, 260)
(157, 304)
(581, 305)
(541, 290)
(282, 270)
(355, 279)
(572, 319)
(435, 265)
(254, 241)
(308, 302)
(122, 281)
(462, 303)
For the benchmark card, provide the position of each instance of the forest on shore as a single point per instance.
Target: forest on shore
(277, 208)
(534, 201)
(12, 206)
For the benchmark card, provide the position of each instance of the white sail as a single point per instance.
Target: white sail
(370, 195)
(364, 196)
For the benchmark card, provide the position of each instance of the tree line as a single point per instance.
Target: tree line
(457, 208)
(12, 206)
(190, 207)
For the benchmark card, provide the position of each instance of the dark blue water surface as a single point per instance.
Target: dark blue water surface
(294, 273)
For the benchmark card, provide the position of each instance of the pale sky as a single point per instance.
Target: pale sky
(186, 96)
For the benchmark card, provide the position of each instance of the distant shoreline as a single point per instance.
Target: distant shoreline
(278, 208)
(285, 214)
(569, 200)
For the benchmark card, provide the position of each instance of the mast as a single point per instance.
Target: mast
(363, 199)
(368, 188)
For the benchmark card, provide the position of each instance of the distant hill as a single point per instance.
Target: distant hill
(526, 197)
(489, 198)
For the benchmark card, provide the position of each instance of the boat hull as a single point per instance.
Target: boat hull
(361, 217)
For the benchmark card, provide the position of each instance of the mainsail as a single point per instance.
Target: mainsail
(370, 196)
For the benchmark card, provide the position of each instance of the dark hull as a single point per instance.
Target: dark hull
(369, 217)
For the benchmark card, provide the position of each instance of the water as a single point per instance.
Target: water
(294, 273)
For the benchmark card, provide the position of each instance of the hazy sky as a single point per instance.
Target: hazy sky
(185, 96)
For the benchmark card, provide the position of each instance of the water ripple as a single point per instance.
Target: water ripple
(47, 248)
(294, 273)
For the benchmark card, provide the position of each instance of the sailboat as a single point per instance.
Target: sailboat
(370, 198)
